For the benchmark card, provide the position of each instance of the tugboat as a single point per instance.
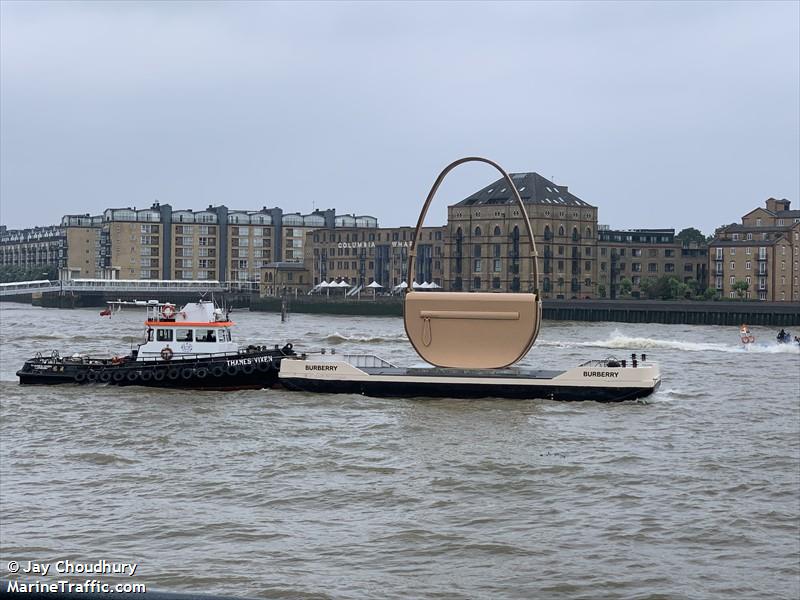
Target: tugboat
(187, 348)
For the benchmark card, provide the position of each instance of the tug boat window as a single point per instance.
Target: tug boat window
(210, 336)
(149, 334)
(183, 335)
(164, 335)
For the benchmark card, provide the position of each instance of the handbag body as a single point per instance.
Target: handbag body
(472, 330)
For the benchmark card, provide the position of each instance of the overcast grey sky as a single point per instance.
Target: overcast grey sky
(663, 115)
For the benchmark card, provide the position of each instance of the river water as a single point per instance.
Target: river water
(694, 493)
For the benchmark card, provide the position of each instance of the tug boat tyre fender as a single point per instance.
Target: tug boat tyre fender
(92, 375)
(118, 376)
(201, 373)
(104, 376)
(217, 371)
(232, 370)
(146, 375)
(265, 366)
(80, 376)
(173, 373)
(159, 374)
(132, 376)
(187, 373)
(248, 369)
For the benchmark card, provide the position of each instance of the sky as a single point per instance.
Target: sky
(661, 114)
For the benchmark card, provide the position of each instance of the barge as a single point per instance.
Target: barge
(607, 380)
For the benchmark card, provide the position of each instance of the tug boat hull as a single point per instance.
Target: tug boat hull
(246, 370)
(594, 381)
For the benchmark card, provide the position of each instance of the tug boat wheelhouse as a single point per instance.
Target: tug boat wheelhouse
(187, 348)
(608, 380)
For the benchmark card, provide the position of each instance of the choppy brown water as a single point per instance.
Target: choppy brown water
(694, 494)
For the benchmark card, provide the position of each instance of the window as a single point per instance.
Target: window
(477, 232)
(652, 267)
(748, 265)
(719, 253)
(731, 280)
(477, 268)
(476, 250)
(733, 265)
(183, 335)
(497, 230)
(636, 267)
(164, 335)
(497, 265)
(476, 283)
(208, 335)
(733, 251)
(669, 268)
(496, 283)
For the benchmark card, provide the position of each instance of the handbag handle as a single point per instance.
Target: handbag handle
(413, 251)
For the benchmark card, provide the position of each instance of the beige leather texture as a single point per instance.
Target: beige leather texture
(472, 330)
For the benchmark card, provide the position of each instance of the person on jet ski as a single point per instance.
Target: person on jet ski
(783, 337)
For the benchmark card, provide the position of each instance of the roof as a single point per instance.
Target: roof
(745, 243)
(533, 189)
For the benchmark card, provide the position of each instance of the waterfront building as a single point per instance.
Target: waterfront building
(361, 255)
(82, 247)
(763, 251)
(33, 248)
(488, 244)
(639, 254)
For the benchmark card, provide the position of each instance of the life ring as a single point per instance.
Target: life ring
(146, 375)
(159, 374)
(80, 376)
(218, 371)
(201, 373)
(105, 376)
(168, 312)
(118, 376)
(167, 353)
(174, 373)
(132, 376)
(116, 360)
(187, 373)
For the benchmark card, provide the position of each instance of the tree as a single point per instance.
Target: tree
(625, 287)
(601, 291)
(740, 287)
(710, 294)
(689, 235)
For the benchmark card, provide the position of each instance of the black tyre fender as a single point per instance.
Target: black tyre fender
(265, 366)
(174, 373)
(118, 376)
(146, 375)
(248, 369)
(201, 373)
(232, 370)
(105, 376)
(159, 374)
(217, 371)
(132, 375)
(187, 373)
(92, 375)
(80, 376)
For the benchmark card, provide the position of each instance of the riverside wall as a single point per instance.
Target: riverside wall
(774, 314)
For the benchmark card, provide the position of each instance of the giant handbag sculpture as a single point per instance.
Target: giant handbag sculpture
(472, 330)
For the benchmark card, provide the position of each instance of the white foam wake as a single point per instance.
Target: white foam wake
(618, 340)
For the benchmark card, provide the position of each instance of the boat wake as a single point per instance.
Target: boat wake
(618, 340)
(338, 338)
